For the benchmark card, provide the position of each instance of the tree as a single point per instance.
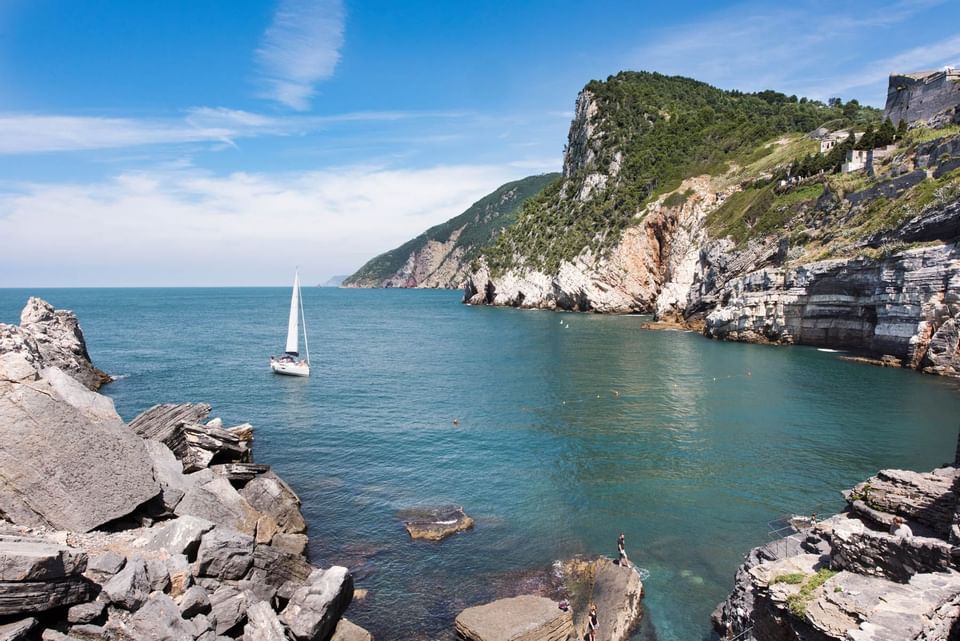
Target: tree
(835, 102)
(902, 129)
(885, 135)
(851, 109)
(867, 140)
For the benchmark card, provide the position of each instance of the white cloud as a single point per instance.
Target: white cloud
(300, 48)
(38, 133)
(182, 226)
(808, 47)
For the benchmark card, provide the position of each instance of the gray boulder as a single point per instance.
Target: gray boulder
(88, 632)
(179, 536)
(229, 607)
(181, 574)
(53, 635)
(218, 501)
(349, 631)
(58, 469)
(157, 575)
(129, 588)
(96, 407)
(101, 567)
(18, 630)
(168, 472)
(290, 543)
(263, 624)
(202, 624)
(225, 554)
(194, 601)
(315, 608)
(86, 612)
(269, 495)
(37, 575)
(158, 620)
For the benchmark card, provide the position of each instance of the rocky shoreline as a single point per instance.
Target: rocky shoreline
(163, 529)
(849, 578)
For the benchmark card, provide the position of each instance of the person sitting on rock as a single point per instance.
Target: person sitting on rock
(624, 561)
(592, 623)
(900, 528)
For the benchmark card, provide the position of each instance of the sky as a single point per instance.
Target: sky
(213, 143)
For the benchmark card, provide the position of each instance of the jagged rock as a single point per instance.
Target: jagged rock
(349, 631)
(158, 620)
(617, 593)
(219, 502)
(926, 498)
(263, 624)
(194, 601)
(157, 575)
(203, 625)
(86, 612)
(130, 587)
(522, 618)
(436, 523)
(181, 574)
(266, 529)
(100, 567)
(315, 608)
(269, 495)
(179, 536)
(225, 554)
(274, 567)
(858, 549)
(18, 630)
(206, 444)
(229, 607)
(60, 342)
(89, 474)
(37, 575)
(165, 422)
(290, 543)
(240, 472)
(88, 632)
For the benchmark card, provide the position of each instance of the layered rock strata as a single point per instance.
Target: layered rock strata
(849, 578)
(108, 533)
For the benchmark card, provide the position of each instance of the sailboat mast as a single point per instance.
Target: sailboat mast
(303, 321)
(293, 332)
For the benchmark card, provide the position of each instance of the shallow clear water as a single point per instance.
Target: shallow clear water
(704, 443)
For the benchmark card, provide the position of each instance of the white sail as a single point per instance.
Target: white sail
(293, 330)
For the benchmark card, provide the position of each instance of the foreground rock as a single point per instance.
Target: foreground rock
(435, 523)
(521, 618)
(90, 473)
(616, 591)
(108, 532)
(848, 578)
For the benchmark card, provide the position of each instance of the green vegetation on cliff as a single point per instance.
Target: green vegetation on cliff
(659, 130)
(478, 225)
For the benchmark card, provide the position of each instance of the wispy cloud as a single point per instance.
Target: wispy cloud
(183, 226)
(41, 133)
(300, 48)
(810, 47)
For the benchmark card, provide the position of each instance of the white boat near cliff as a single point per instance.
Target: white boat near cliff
(290, 364)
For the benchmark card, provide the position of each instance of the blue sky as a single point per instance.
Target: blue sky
(218, 143)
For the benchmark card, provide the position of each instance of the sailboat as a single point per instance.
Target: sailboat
(290, 363)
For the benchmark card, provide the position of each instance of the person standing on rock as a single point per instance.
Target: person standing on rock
(593, 622)
(900, 528)
(624, 561)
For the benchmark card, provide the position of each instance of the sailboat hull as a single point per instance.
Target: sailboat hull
(290, 369)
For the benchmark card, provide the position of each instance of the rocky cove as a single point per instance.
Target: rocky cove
(165, 528)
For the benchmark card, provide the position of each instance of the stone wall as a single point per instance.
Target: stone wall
(921, 96)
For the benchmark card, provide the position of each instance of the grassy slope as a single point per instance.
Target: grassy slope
(481, 222)
(667, 128)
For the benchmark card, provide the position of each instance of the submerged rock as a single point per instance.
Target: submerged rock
(521, 618)
(435, 523)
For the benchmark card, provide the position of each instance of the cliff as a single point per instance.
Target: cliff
(742, 243)
(441, 256)
(929, 97)
(849, 578)
(160, 529)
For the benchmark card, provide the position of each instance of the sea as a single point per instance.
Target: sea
(555, 431)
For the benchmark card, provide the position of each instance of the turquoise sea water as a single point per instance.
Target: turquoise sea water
(566, 437)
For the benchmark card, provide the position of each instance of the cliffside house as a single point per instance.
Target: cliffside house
(923, 95)
(830, 140)
(864, 158)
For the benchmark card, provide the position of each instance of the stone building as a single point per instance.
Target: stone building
(931, 97)
(831, 140)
